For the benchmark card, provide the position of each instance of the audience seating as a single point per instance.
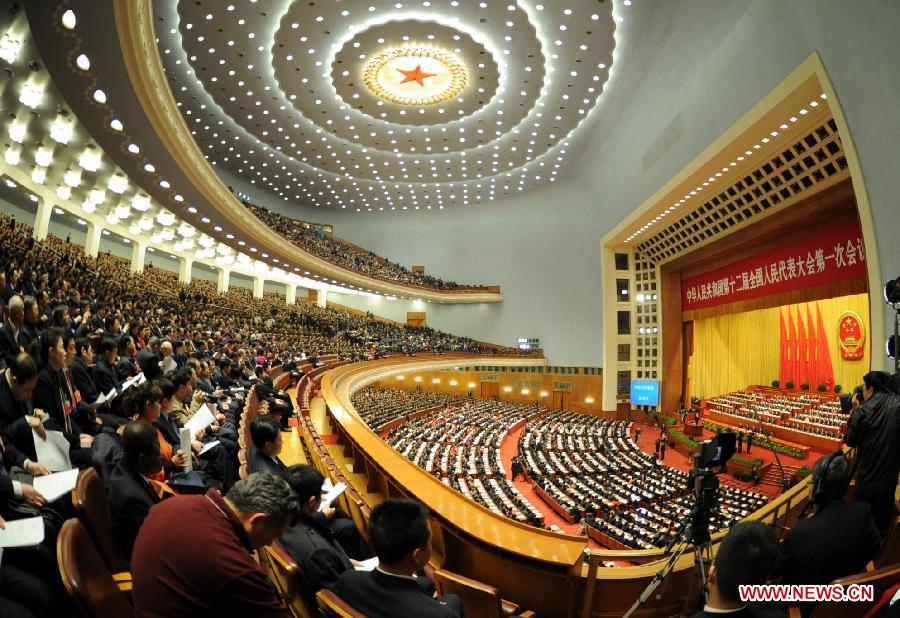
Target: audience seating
(86, 576)
(479, 599)
(293, 589)
(92, 509)
(890, 553)
(334, 607)
(880, 579)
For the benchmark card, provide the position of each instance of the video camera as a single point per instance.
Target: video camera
(704, 484)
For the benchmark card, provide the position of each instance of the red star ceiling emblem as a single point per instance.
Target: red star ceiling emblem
(416, 75)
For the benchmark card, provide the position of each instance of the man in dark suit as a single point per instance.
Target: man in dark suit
(16, 411)
(104, 373)
(267, 442)
(126, 367)
(309, 541)
(31, 325)
(402, 540)
(82, 373)
(838, 540)
(746, 557)
(10, 334)
(148, 359)
(130, 492)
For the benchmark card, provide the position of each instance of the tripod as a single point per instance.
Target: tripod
(785, 481)
(693, 531)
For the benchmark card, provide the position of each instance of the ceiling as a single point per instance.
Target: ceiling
(300, 98)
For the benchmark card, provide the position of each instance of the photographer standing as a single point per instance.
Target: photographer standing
(874, 429)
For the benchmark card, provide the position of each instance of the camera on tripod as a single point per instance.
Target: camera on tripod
(704, 484)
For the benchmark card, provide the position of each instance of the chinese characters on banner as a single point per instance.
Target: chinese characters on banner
(836, 254)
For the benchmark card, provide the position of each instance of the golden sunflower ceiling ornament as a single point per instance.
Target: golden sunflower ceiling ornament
(415, 76)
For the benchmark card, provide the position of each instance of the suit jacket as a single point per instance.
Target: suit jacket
(260, 462)
(169, 430)
(105, 377)
(149, 363)
(126, 368)
(27, 334)
(130, 499)
(837, 541)
(13, 426)
(97, 323)
(315, 549)
(378, 595)
(9, 344)
(48, 396)
(83, 380)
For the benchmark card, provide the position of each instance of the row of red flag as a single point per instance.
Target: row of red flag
(805, 356)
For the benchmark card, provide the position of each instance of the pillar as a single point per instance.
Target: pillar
(42, 220)
(290, 293)
(92, 243)
(184, 269)
(258, 284)
(224, 275)
(138, 253)
(322, 298)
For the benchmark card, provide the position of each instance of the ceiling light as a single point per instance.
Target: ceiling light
(89, 160)
(61, 130)
(123, 211)
(83, 62)
(117, 183)
(99, 96)
(43, 156)
(133, 148)
(72, 178)
(68, 19)
(9, 48)
(17, 132)
(39, 175)
(112, 219)
(97, 196)
(13, 155)
(116, 125)
(63, 192)
(31, 95)
(88, 206)
(140, 202)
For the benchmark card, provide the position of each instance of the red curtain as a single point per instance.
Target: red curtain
(792, 352)
(823, 353)
(812, 339)
(783, 365)
(802, 361)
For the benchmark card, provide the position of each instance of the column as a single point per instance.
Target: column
(290, 293)
(42, 219)
(184, 269)
(258, 284)
(224, 275)
(92, 243)
(321, 298)
(138, 252)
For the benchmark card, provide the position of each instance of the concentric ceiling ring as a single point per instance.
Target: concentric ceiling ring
(259, 88)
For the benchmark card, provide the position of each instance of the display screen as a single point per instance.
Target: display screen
(645, 392)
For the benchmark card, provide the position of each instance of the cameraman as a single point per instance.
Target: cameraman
(874, 429)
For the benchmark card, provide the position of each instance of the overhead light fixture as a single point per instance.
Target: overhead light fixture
(43, 156)
(117, 183)
(88, 206)
(39, 175)
(12, 155)
(61, 130)
(89, 160)
(123, 211)
(17, 132)
(68, 19)
(63, 192)
(140, 202)
(31, 95)
(112, 219)
(9, 48)
(72, 178)
(97, 196)
(83, 62)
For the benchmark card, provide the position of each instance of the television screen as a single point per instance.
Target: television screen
(645, 392)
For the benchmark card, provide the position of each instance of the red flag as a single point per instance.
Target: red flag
(783, 364)
(802, 375)
(792, 351)
(823, 355)
(812, 366)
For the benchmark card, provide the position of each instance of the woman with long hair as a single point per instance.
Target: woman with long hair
(144, 404)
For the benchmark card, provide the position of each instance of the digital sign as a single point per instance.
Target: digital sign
(645, 392)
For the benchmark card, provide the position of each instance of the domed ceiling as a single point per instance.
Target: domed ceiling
(382, 105)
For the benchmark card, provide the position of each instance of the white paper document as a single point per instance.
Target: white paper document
(104, 397)
(185, 437)
(202, 419)
(56, 485)
(168, 364)
(22, 532)
(52, 452)
(368, 565)
(329, 497)
(208, 447)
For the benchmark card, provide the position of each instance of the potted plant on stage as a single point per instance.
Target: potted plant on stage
(789, 384)
(804, 386)
(822, 388)
(775, 383)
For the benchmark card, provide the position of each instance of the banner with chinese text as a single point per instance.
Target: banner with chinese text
(836, 254)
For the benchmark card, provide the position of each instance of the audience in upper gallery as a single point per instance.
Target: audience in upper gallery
(838, 540)
(745, 557)
(310, 541)
(345, 254)
(401, 538)
(129, 487)
(874, 429)
(193, 554)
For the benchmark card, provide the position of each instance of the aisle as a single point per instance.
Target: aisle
(509, 448)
